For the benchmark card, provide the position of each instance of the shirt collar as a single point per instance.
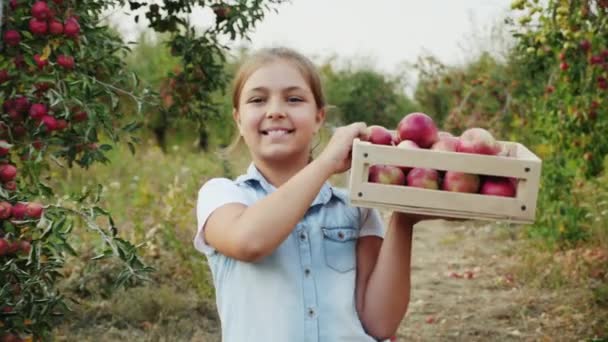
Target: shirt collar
(253, 174)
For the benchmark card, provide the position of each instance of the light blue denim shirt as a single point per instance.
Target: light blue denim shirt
(305, 290)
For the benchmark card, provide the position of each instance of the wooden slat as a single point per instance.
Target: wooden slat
(437, 199)
(440, 160)
(442, 213)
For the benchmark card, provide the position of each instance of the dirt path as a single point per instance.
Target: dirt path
(461, 289)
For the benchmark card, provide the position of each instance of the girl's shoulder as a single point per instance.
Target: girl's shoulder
(220, 187)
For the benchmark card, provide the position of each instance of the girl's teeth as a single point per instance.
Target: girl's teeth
(276, 133)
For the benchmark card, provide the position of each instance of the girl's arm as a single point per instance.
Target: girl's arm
(383, 277)
(251, 233)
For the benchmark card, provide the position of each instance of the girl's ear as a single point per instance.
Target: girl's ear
(320, 118)
(237, 119)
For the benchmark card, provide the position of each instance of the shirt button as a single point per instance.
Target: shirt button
(302, 236)
(341, 235)
(311, 312)
(307, 271)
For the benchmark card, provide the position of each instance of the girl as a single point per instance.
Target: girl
(291, 259)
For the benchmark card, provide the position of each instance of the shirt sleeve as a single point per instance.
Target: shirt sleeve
(213, 194)
(371, 223)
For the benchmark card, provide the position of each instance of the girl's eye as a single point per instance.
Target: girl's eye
(256, 100)
(294, 99)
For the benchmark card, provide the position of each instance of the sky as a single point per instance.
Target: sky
(386, 34)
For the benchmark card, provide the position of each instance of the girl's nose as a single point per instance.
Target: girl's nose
(275, 110)
(275, 114)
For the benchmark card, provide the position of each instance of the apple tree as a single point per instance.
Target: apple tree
(566, 44)
(64, 88)
(188, 90)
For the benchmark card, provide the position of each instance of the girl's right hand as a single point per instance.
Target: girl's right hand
(337, 154)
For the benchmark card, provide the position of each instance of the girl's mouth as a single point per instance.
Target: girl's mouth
(277, 132)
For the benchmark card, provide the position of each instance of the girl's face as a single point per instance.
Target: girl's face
(277, 114)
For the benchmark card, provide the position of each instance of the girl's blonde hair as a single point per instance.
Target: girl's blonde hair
(267, 55)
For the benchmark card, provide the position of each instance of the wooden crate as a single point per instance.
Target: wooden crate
(520, 163)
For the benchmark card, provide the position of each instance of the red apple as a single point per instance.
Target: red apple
(4, 247)
(55, 27)
(80, 116)
(66, 62)
(407, 144)
(379, 135)
(4, 147)
(498, 186)
(38, 111)
(12, 37)
(33, 210)
(40, 10)
(50, 123)
(10, 186)
(13, 247)
(460, 182)
(596, 60)
(19, 61)
(5, 210)
(602, 83)
(4, 76)
(71, 28)
(61, 124)
(423, 178)
(40, 62)
(564, 66)
(386, 174)
(22, 105)
(19, 211)
(446, 143)
(442, 134)
(419, 128)
(38, 27)
(25, 246)
(7, 172)
(479, 141)
(585, 45)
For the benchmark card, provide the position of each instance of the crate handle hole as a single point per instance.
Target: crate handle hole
(523, 208)
(360, 194)
(365, 155)
(527, 169)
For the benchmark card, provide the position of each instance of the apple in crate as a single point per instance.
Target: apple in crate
(386, 174)
(407, 144)
(442, 134)
(498, 186)
(419, 128)
(378, 135)
(479, 141)
(460, 182)
(446, 143)
(423, 178)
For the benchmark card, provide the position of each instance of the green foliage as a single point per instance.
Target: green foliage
(365, 95)
(189, 91)
(568, 43)
(480, 93)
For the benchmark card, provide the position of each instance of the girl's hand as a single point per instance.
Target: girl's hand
(337, 154)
